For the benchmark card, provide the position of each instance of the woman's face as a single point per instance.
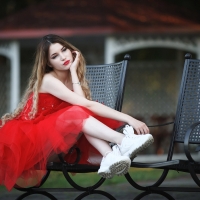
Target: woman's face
(59, 57)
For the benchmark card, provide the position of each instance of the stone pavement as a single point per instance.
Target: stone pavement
(121, 192)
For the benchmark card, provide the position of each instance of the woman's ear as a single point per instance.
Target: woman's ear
(49, 64)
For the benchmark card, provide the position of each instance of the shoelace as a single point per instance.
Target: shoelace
(127, 134)
(117, 146)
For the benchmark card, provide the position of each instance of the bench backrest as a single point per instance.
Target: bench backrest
(188, 108)
(107, 82)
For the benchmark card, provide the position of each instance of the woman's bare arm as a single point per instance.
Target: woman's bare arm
(75, 81)
(55, 87)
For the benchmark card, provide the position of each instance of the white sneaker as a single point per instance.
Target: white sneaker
(132, 144)
(114, 163)
(129, 131)
(124, 170)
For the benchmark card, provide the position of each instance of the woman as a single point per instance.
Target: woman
(57, 112)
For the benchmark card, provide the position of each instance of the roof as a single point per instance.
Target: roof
(89, 17)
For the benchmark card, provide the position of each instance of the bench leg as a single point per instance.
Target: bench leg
(143, 194)
(50, 196)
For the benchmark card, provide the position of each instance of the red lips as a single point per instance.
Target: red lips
(66, 62)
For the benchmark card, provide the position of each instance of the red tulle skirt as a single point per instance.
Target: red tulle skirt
(26, 145)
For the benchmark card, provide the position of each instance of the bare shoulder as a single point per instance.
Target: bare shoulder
(48, 77)
(47, 80)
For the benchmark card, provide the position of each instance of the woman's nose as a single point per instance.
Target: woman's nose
(62, 56)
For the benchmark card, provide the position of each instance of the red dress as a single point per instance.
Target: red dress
(26, 145)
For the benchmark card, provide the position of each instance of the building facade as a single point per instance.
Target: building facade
(156, 36)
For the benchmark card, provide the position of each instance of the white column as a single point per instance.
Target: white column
(15, 75)
(198, 48)
(11, 51)
(109, 53)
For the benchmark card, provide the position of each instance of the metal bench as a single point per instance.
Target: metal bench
(186, 131)
(107, 86)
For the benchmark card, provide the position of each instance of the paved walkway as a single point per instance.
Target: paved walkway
(120, 192)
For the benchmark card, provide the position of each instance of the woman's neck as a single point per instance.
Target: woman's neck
(63, 76)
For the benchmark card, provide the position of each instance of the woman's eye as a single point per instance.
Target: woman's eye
(64, 49)
(54, 57)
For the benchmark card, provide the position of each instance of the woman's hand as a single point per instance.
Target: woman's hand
(76, 61)
(140, 127)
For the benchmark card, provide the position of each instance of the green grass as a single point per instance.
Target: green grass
(56, 179)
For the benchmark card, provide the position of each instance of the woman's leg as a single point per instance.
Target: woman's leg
(97, 129)
(98, 134)
(113, 162)
(102, 146)
(129, 145)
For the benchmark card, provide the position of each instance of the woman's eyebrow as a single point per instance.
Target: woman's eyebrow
(56, 53)
(53, 54)
(63, 47)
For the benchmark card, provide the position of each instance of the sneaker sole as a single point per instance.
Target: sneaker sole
(135, 150)
(106, 175)
(118, 168)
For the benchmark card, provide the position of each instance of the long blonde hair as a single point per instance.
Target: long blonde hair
(40, 68)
